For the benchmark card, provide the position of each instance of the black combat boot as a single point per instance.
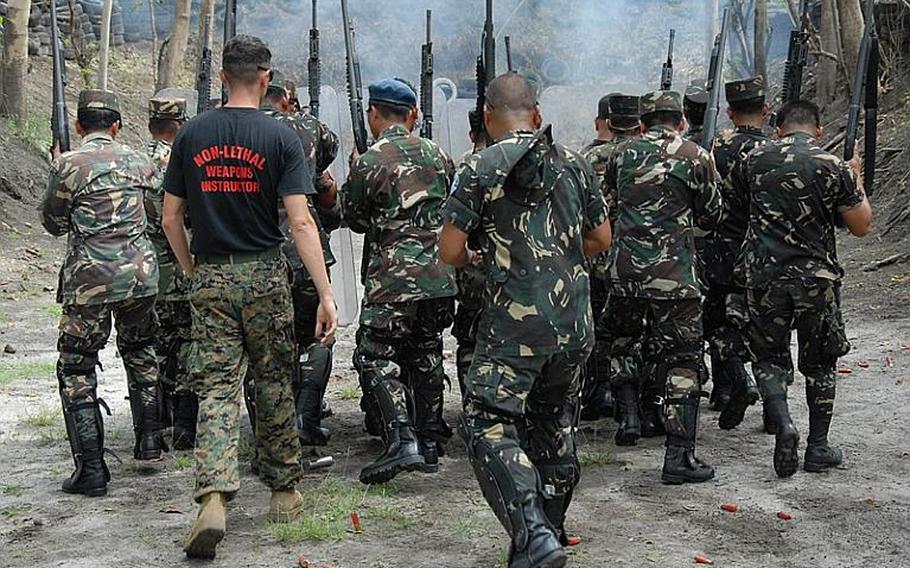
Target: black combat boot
(534, 543)
(819, 454)
(597, 398)
(723, 383)
(145, 406)
(85, 430)
(402, 452)
(652, 424)
(680, 464)
(786, 445)
(559, 481)
(626, 403)
(745, 394)
(315, 369)
(186, 409)
(432, 430)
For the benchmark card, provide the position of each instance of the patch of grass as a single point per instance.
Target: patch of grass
(53, 310)
(588, 459)
(33, 130)
(51, 436)
(385, 490)
(326, 517)
(467, 527)
(44, 417)
(183, 462)
(10, 490)
(9, 512)
(10, 373)
(351, 393)
(113, 434)
(391, 515)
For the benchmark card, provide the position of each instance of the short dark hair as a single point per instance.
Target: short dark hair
(244, 57)
(695, 113)
(391, 112)
(275, 94)
(510, 94)
(97, 120)
(670, 118)
(749, 107)
(163, 126)
(801, 112)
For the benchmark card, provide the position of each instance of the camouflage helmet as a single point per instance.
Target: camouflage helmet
(744, 90)
(96, 99)
(167, 109)
(660, 101)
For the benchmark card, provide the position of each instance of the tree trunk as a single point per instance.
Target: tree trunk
(851, 33)
(154, 25)
(206, 9)
(827, 67)
(15, 59)
(176, 47)
(105, 47)
(761, 40)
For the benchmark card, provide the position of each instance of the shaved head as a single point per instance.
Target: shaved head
(511, 94)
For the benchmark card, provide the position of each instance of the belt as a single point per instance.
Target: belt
(240, 257)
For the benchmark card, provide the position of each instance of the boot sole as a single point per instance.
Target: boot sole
(204, 544)
(94, 492)
(556, 559)
(387, 472)
(668, 479)
(786, 454)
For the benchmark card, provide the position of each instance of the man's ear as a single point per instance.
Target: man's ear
(778, 132)
(115, 129)
(730, 113)
(79, 129)
(819, 132)
(765, 110)
(537, 117)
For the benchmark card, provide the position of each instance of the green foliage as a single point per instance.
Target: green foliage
(43, 417)
(183, 462)
(30, 370)
(9, 490)
(350, 393)
(53, 310)
(9, 512)
(588, 459)
(34, 130)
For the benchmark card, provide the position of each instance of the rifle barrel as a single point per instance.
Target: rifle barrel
(716, 81)
(59, 116)
(355, 95)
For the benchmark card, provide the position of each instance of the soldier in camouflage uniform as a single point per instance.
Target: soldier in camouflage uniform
(663, 187)
(228, 169)
(695, 105)
(166, 116)
(536, 212)
(394, 194)
(601, 124)
(747, 110)
(320, 145)
(623, 124)
(94, 197)
(799, 194)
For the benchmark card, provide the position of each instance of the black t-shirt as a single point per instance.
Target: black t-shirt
(232, 165)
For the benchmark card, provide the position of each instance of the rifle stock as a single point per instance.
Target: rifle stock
(314, 68)
(59, 116)
(865, 94)
(355, 88)
(426, 82)
(666, 75)
(716, 82)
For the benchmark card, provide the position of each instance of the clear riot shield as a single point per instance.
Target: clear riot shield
(345, 244)
(451, 114)
(189, 95)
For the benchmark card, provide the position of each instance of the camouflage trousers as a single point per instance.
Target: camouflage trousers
(242, 320)
(668, 332)
(724, 336)
(400, 350)
(467, 315)
(519, 422)
(172, 344)
(597, 372)
(812, 308)
(84, 331)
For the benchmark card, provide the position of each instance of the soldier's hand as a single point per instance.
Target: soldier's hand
(326, 322)
(856, 163)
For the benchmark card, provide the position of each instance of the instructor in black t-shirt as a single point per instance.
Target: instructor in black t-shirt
(228, 169)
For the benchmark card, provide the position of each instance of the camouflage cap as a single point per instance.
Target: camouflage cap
(603, 106)
(745, 89)
(167, 109)
(625, 111)
(277, 80)
(660, 101)
(697, 93)
(99, 100)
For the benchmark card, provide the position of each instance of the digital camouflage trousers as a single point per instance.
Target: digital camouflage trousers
(242, 319)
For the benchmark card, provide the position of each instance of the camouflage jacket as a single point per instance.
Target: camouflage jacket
(95, 197)
(394, 195)
(593, 144)
(663, 186)
(320, 146)
(696, 134)
(797, 191)
(529, 202)
(159, 152)
(721, 247)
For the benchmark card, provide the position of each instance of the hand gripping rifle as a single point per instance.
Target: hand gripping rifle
(426, 81)
(715, 82)
(230, 30)
(355, 86)
(486, 70)
(666, 75)
(314, 68)
(865, 90)
(797, 58)
(59, 117)
(204, 72)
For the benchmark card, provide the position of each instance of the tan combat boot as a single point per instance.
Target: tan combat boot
(209, 528)
(285, 506)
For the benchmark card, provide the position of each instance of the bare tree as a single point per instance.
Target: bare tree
(830, 43)
(851, 32)
(15, 59)
(176, 46)
(206, 10)
(761, 39)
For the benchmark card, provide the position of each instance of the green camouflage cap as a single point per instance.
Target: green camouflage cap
(660, 101)
(277, 81)
(745, 90)
(603, 105)
(167, 109)
(99, 100)
(625, 111)
(697, 93)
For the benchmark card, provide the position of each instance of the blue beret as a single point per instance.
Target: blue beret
(393, 92)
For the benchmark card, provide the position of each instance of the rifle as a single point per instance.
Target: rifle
(59, 116)
(355, 85)
(314, 68)
(486, 69)
(204, 73)
(230, 30)
(508, 40)
(426, 82)
(715, 82)
(797, 58)
(865, 90)
(666, 76)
